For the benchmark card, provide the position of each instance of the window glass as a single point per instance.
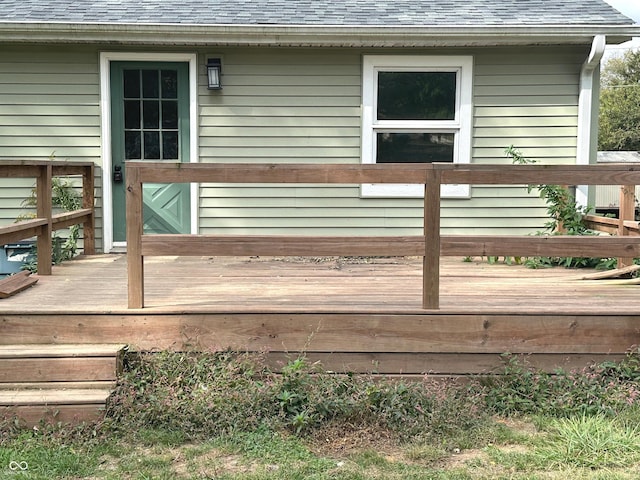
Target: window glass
(131, 114)
(151, 114)
(132, 146)
(150, 87)
(151, 145)
(131, 83)
(170, 114)
(416, 96)
(169, 145)
(417, 109)
(414, 147)
(169, 79)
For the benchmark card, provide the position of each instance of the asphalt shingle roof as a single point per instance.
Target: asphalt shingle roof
(316, 12)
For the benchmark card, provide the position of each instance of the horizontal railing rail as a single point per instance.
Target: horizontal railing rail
(46, 222)
(430, 245)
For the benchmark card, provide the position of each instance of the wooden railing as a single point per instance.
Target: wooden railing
(430, 245)
(45, 222)
(624, 225)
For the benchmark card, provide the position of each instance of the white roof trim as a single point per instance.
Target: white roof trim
(306, 35)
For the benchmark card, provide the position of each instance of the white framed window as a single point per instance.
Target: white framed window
(416, 109)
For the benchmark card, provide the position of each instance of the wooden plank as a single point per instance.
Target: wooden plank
(57, 369)
(32, 415)
(88, 202)
(43, 210)
(21, 230)
(135, 262)
(66, 219)
(16, 283)
(618, 272)
(352, 332)
(60, 350)
(548, 246)
(280, 245)
(435, 363)
(626, 212)
(80, 396)
(611, 174)
(450, 245)
(94, 384)
(432, 240)
(280, 173)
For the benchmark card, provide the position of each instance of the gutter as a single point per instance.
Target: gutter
(588, 106)
(309, 35)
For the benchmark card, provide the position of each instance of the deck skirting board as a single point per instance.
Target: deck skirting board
(527, 333)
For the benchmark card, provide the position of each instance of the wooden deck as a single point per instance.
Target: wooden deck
(98, 285)
(352, 314)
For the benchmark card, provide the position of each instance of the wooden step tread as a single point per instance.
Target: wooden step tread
(70, 396)
(58, 369)
(88, 385)
(60, 350)
(16, 283)
(33, 415)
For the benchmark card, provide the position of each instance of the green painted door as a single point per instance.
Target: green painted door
(150, 122)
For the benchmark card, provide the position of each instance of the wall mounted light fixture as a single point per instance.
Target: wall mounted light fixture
(214, 72)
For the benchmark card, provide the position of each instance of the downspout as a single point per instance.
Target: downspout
(588, 103)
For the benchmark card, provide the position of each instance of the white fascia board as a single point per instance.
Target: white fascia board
(310, 35)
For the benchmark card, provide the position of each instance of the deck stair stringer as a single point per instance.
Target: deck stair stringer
(57, 382)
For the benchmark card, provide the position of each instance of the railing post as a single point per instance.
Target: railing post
(88, 227)
(135, 261)
(431, 259)
(627, 211)
(44, 210)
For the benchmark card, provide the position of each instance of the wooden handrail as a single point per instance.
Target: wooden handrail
(46, 222)
(431, 245)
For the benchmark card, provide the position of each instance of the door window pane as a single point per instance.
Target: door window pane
(169, 83)
(132, 146)
(131, 114)
(414, 147)
(170, 145)
(151, 114)
(150, 88)
(151, 145)
(416, 95)
(170, 114)
(151, 123)
(131, 83)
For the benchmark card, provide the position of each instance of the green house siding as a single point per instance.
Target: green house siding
(49, 106)
(302, 105)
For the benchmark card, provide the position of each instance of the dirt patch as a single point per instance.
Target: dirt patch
(339, 440)
(209, 464)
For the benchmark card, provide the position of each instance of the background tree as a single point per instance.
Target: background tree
(620, 103)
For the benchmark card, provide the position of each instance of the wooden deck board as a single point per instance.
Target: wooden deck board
(187, 284)
(350, 314)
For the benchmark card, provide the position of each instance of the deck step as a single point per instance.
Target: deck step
(66, 382)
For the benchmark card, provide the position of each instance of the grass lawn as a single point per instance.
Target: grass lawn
(225, 415)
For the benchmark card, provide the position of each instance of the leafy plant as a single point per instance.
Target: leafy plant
(607, 388)
(66, 198)
(566, 218)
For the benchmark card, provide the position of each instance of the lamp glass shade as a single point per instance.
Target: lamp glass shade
(213, 75)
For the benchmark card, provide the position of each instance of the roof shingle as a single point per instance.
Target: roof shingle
(316, 12)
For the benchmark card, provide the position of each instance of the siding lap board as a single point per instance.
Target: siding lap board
(303, 105)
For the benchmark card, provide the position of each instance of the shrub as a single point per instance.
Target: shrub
(213, 393)
(606, 388)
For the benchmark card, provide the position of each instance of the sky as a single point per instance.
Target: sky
(631, 8)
